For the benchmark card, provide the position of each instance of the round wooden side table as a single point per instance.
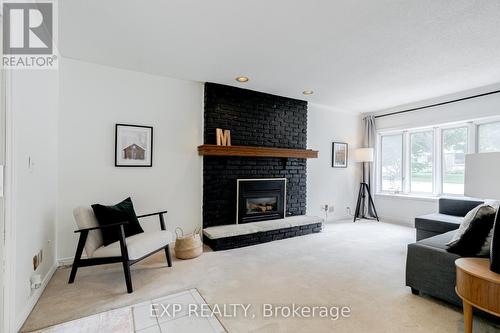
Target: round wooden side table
(478, 287)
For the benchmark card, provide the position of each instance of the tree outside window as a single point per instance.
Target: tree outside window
(454, 151)
(421, 159)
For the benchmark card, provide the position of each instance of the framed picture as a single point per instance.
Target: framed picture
(339, 155)
(133, 146)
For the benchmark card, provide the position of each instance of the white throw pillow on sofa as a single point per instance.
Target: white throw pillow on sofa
(462, 241)
(469, 217)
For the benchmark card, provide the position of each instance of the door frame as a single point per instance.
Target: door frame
(9, 320)
(3, 235)
(7, 235)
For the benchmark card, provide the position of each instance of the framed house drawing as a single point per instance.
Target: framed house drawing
(133, 146)
(339, 155)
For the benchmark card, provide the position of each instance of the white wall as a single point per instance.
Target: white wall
(93, 99)
(403, 209)
(476, 108)
(327, 185)
(32, 104)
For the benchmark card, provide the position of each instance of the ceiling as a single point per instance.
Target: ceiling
(357, 56)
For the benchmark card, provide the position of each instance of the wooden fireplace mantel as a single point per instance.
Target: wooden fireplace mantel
(251, 151)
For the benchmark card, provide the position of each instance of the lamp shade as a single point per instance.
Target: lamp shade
(363, 155)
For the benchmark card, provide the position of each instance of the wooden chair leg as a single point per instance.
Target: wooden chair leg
(167, 254)
(128, 278)
(126, 263)
(78, 255)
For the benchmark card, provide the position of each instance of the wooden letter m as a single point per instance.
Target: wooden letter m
(223, 137)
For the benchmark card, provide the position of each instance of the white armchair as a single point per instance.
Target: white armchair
(127, 250)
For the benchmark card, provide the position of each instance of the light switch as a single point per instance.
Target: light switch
(31, 164)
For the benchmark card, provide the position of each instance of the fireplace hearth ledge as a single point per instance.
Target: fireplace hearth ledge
(230, 236)
(230, 230)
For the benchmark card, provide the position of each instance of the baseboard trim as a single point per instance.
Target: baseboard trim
(34, 299)
(335, 219)
(399, 221)
(68, 261)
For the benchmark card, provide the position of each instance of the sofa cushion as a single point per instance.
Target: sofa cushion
(438, 241)
(85, 218)
(137, 246)
(431, 269)
(437, 222)
(495, 246)
(121, 212)
(457, 206)
(485, 249)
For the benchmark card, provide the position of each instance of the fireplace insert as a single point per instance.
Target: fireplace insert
(260, 199)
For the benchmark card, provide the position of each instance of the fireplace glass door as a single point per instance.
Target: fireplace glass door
(262, 205)
(261, 199)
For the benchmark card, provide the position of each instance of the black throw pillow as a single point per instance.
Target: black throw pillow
(495, 246)
(473, 231)
(124, 211)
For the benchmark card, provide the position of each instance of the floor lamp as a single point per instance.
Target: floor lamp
(364, 155)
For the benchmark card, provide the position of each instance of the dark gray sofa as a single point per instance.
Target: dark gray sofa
(430, 269)
(451, 212)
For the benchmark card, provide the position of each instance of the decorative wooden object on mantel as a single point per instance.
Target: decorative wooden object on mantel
(223, 137)
(251, 151)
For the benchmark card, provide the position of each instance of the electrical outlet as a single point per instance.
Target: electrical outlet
(331, 209)
(37, 259)
(36, 281)
(324, 208)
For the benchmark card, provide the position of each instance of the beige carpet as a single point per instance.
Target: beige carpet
(137, 318)
(360, 265)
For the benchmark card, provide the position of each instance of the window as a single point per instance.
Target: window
(489, 137)
(392, 163)
(422, 160)
(455, 142)
(431, 161)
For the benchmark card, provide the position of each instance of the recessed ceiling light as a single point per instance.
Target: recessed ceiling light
(242, 79)
(308, 92)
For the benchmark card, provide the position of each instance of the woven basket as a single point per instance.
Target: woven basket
(188, 246)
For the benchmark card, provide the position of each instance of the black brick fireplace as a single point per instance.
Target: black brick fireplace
(254, 119)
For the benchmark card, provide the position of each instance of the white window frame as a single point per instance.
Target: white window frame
(378, 165)
(437, 167)
(470, 143)
(479, 123)
(407, 157)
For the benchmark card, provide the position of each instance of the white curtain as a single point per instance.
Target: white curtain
(369, 139)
